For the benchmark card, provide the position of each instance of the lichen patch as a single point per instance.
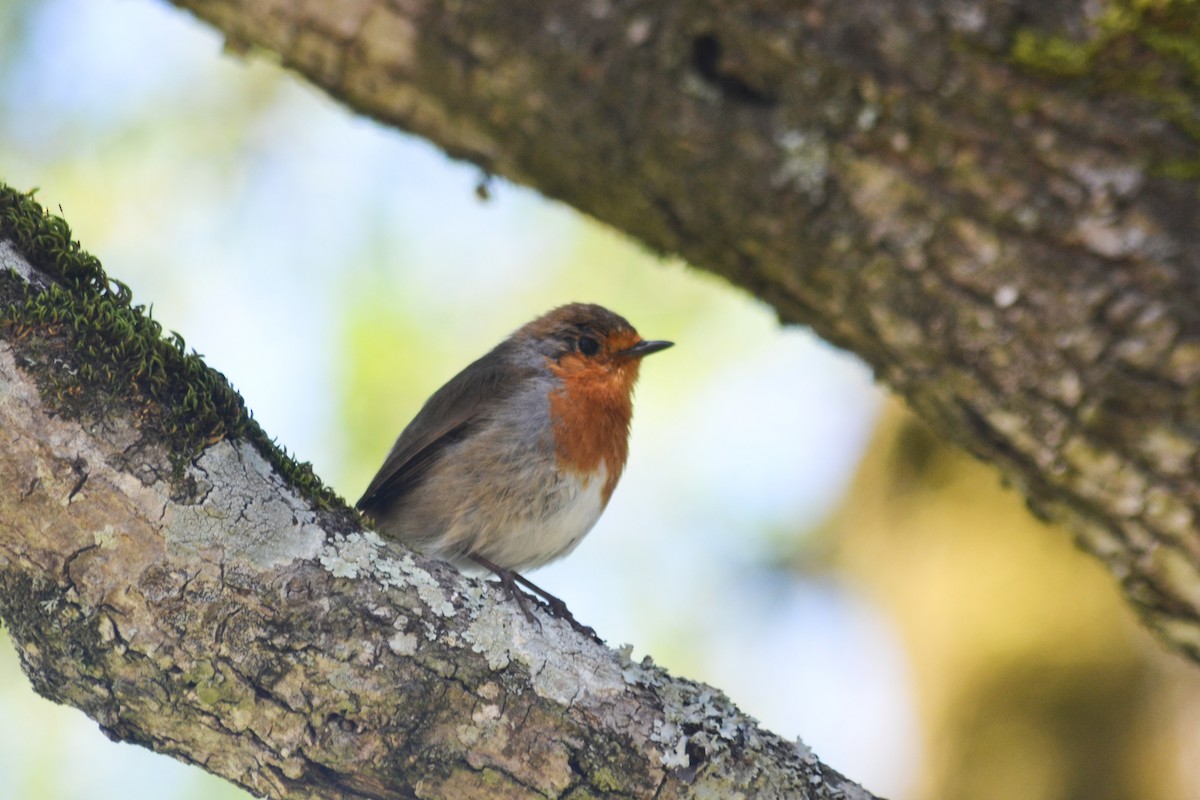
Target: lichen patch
(242, 490)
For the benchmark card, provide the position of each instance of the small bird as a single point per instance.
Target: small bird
(508, 465)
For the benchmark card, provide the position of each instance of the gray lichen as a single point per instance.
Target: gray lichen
(238, 488)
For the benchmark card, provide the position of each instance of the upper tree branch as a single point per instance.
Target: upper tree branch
(1017, 254)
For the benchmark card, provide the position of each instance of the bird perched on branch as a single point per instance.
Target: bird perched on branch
(510, 464)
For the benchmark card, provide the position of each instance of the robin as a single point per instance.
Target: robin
(508, 465)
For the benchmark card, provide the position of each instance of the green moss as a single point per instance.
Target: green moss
(1149, 49)
(1054, 55)
(110, 352)
(604, 779)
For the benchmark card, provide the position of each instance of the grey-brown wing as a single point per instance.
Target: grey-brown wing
(446, 418)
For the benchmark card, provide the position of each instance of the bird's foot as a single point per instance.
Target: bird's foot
(512, 581)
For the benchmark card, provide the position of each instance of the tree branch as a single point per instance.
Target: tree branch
(164, 568)
(992, 203)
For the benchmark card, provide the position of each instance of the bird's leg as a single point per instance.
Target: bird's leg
(510, 579)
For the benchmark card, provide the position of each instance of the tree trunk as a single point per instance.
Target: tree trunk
(166, 569)
(993, 203)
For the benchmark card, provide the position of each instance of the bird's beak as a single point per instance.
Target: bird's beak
(644, 348)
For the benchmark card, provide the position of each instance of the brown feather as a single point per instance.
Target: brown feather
(447, 417)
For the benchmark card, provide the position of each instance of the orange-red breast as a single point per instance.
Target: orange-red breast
(509, 464)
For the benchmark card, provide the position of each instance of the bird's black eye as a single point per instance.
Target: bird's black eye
(588, 346)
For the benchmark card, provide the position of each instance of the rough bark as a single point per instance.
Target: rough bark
(993, 203)
(210, 608)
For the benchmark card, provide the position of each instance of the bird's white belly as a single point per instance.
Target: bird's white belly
(550, 533)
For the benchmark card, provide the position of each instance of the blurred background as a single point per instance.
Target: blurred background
(785, 531)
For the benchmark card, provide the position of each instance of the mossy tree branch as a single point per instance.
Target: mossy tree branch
(991, 202)
(166, 569)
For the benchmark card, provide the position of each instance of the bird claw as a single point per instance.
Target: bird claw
(559, 609)
(513, 581)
